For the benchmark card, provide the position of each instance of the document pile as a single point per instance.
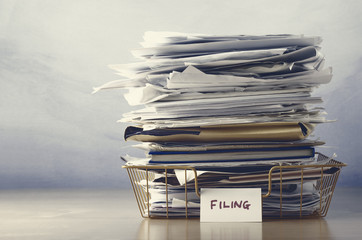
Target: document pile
(232, 107)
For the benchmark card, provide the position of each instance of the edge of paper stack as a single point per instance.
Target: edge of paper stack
(230, 106)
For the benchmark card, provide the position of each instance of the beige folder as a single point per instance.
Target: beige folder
(272, 131)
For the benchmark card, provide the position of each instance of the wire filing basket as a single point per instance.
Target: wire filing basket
(325, 185)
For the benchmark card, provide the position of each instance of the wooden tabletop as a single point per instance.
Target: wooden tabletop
(113, 214)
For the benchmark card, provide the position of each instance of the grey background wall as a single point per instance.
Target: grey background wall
(55, 134)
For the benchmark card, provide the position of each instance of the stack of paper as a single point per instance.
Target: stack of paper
(230, 106)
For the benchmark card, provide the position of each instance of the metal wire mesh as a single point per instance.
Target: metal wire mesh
(325, 185)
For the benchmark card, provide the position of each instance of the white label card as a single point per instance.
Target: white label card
(231, 205)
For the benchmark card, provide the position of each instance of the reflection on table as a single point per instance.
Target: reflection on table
(159, 229)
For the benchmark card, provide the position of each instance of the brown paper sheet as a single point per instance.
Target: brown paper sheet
(274, 131)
